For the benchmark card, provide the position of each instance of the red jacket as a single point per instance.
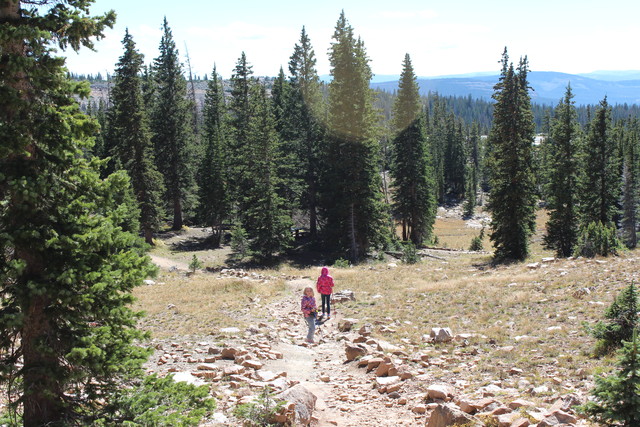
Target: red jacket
(325, 282)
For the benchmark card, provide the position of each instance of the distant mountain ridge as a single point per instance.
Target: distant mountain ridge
(619, 87)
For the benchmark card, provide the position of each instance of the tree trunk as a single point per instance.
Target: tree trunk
(177, 214)
(352, 234)
(43, 404)
(148, 235)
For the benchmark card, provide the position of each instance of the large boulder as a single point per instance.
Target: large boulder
(445, 415)
(303, 402)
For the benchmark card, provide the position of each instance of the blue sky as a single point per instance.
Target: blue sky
(442, 37)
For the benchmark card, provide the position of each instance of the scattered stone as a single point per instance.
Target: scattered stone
(441, 335)
(419, 409)
(229, 353)
(366, 330)
(232, 330)
(521, 403)
(149, 282)
(254, 364)
(563, 417)
(439, 391)
(342, 296)
(355, 351)
(346, 324)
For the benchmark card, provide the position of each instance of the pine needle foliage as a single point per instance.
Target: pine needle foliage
(513, 194)
(70, 254)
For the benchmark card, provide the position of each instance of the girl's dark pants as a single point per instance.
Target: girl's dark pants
(327, 299)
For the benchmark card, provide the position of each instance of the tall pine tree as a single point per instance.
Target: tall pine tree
(214, 204)
(173, 129)
(630, 182)
(304, 114)
(356, 217)
(599, 184)
(132, 137)
(69, 251)
(265, 219)
(562, 144)
(513, 199)
(239, 115)
(414, 196)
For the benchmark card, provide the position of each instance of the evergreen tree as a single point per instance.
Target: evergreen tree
(266, 221)
(288, 166)
(617, 396)
(304, 114)
(172, 128)
(622, 321)
(562, 226)
(132, 137)
(437, 131)
(513, 198)
(69, 251)
(631, 186)
(414, 197)
(455, 160)
(599, 185)
(473, 170)
(356, 218)
(214, 206)
(240, 113)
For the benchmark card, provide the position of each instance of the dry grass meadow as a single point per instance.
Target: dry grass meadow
(529, 316)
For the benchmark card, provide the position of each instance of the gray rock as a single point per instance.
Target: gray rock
(441, 334)
(304, 401)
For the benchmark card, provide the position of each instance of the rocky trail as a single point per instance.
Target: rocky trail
(351, 378)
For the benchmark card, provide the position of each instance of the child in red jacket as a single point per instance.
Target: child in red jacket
(325, 287)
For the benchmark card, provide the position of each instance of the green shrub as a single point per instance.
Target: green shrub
(476, 242)
(260, 412)
(159, 402)
(622, 321)
(597, 239)
(617, 396)
(195, 264)
(341, 263)
(410, 254)
(239, 241)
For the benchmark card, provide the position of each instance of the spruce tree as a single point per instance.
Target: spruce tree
(132, 137)
(414, 196)
(513, 197)
(562, 226)
(266, 221)
(173, 129)
(455, 160)
(599, 183)
(437, 131)
(631, 185)
(214, 205)
(617, 396)
(239, 115)
(289, 165)
(622, 321)
(304, 113)
(355, 216)
(69, 251)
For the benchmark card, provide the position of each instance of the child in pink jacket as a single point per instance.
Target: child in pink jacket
(325, 287)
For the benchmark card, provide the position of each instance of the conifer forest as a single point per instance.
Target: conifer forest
(270, 165)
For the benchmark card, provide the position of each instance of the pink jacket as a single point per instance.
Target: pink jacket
(325, 282)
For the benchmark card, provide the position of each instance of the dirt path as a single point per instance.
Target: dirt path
(345, 393)
(168, 264)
